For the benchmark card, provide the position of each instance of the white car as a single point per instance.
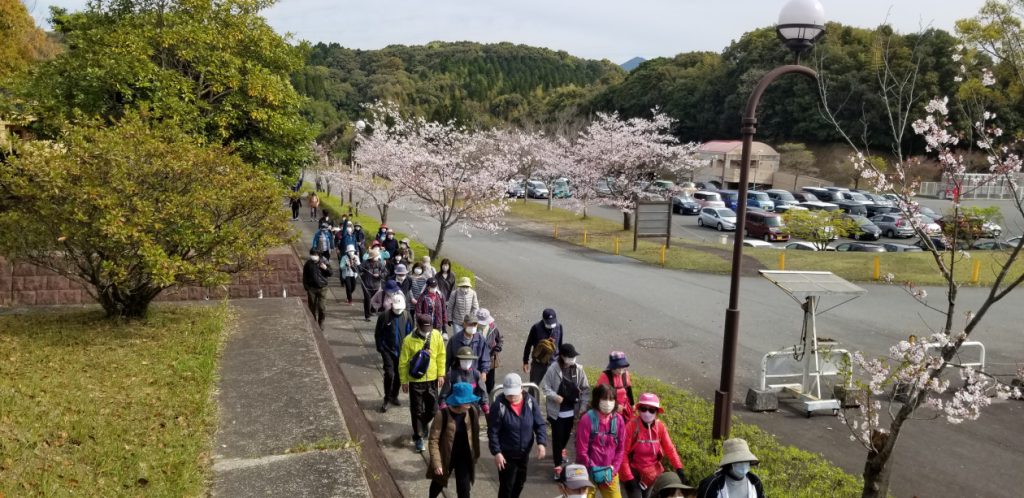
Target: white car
(719, 218)
(1014, 241)
(759, 243)
(929, 226)
(801, 246)
(708, 199)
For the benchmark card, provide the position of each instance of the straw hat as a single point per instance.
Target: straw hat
(736, 450)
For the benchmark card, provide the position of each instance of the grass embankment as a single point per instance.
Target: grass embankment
(370, 225)
(918, 268)
(91, 407)
(785, 470)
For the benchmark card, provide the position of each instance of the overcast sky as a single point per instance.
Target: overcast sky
(601, 29)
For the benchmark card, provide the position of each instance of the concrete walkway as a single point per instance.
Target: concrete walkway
(277, 400)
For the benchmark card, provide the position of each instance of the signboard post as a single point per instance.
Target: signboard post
(652, 219)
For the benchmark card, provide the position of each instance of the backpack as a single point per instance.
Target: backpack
(528, 406)
(601, 475)
(420, 361)
(543, 351)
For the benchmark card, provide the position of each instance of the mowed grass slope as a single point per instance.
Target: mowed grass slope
(90, 407)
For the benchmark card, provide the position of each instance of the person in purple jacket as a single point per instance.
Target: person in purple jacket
(601, 441)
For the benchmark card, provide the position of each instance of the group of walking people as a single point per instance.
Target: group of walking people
(443, 350)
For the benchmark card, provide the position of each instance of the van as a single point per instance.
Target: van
(708, 199)
(766, 226)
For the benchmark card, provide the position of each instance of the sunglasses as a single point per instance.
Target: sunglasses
(648, 409)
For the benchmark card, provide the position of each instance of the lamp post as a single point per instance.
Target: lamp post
(801, 23)
(359, 125)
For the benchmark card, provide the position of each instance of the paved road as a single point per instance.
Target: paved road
(685, 226)
(610, 303)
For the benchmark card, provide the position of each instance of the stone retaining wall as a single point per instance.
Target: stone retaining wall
(23, 284)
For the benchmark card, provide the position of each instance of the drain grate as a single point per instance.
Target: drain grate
(656, 343)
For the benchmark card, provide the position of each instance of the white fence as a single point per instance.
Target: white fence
(975, 186)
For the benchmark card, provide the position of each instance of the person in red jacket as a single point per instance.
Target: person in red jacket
(647, 443)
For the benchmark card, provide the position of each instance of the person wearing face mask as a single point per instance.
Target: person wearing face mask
(384, 254)
(296, 204)
(404, 282)
(422, 390)
(418, 283)
(409, 252)
(323, 241)
(349, 264)
(360, 236)
(616, 376)
(542, 345)
(565, 387)
(432, 304)
(382, 233)
(513, 425)
(382, 300)
(463, 301)
(463, 369)
(392, 328)
(428, 270)
(455, 442)
(647, 443)
(733, 479)
(600, 441)
(398, 258)
(390, 242)
(668, 485)
(371, 277)
(574, 482)
(495, 341)
(446, 278)
(469, 338)
(315, 273)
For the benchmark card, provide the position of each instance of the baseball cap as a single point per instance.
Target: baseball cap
(575, 477)
(549, 316)
(512, 385)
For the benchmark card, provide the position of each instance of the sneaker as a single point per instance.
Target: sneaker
(557, 474)
(419, 445)
(394, 401)
(384, 406)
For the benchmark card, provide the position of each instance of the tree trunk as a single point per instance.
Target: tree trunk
(876, 474)
(549, 202)
(584, 211)
(383, 210)
(627, 222)
(117, 304)
(440, 242)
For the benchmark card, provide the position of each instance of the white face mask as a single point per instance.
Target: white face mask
(569, 361)
(349, 230)
(433, 290)
(469, 330)
(417, 271)
(739, 470)
(466, 364)
(400, 278)
(576, 495)
(398, 307)
(549, 326)
(315, 257)
(647, 417)
(606, 406)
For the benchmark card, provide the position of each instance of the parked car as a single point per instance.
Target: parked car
(895, 199)
(767, 226)
(821, 193)
(940, 244)
(759, 243)
(805, 197)
(877, 209)
(893, 247)
(1014, 240)
(718, 218)
(535, 189)
(515, 189)
(661, 186)
(603, 188)
(866, 230)
(859, 247)
(857, 197)
(973, 228)
(708, 199)
(928, 225)
(710, 186)
(893, 225)
(850, 207)
(929, 212)
(789, 207)
(877, 199)
(684, 204)
(992, 245)
(730, 198)
(560, 189)
(760, 200)
(781, 198)
(818, 206)
(801, 246)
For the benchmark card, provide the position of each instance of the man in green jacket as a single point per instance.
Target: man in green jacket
(423, 390)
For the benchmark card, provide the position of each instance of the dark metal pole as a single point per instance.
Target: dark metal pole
(723, 396)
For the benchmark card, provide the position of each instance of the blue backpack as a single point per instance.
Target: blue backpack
(420, 362)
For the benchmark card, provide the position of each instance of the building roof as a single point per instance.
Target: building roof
(734, 147)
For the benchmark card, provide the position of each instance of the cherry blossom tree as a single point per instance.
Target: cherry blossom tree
(457, 175)
(629, 154)
(911, 380)
(536, 155)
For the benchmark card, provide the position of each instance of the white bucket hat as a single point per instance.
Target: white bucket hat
(736, 450)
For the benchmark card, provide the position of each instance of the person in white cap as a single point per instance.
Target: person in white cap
(574, 482)
(733, 479)
(349, 263)
(515, 421)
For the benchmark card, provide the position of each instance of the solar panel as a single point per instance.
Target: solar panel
(811, 283)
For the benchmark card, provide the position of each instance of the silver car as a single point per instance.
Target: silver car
(893, 225)
(719, 218)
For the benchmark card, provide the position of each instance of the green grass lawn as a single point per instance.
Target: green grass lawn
(370, 225)
(785, 470)
(91, 407)
(918, 268)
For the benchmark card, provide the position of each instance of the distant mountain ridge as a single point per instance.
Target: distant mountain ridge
(632, 63)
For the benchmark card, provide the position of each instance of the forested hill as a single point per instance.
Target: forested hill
(477, 84)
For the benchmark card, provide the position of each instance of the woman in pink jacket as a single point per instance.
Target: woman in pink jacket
(600, 441)
(647, 443)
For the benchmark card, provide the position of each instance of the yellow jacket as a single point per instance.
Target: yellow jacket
(411, 345)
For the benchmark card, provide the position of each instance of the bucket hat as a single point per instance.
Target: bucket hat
(736, 450)
(483, 317)
(464, 282)
(668, 480)
(401, 270)
(391, 287)
(465, 353)
(462, 394)
(650, 399)
(617, 359)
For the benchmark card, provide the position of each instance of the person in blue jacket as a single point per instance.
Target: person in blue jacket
(514, 423)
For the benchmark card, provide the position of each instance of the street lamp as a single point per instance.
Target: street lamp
(360, 125)
(801, 23)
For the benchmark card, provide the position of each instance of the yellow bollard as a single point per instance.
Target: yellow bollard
(556, 230)
(663, 255)
(782, 261)
(584, 237)
(878, 268)
(616, 246)
(976, 272)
